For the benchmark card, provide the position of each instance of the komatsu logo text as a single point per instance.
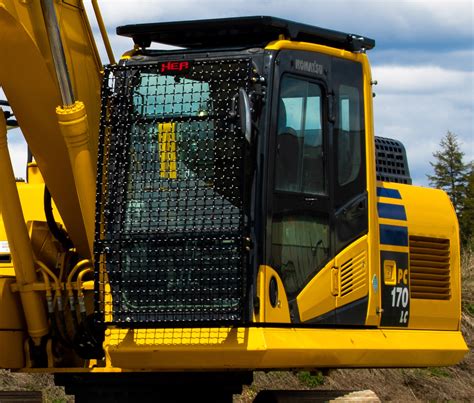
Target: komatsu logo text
(309, 67)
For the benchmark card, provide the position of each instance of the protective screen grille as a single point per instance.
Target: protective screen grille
(170, 203)
(391, 161)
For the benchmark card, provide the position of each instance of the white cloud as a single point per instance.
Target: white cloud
(421, 79)
(16, 146)
(18, 152)
(459, 59)
(423, 62)
(418, 105)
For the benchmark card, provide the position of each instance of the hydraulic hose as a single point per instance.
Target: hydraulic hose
(62, 329)
(69, 288)
(57, 232)
(80, 294)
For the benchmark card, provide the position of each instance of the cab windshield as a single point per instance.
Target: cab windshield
(185, 153)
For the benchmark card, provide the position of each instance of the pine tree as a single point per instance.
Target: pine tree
(466, 221)
(450, 170)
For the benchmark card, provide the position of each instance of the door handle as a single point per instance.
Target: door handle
(335, 281)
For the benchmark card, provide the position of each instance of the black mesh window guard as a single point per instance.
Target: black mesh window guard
(170, 220)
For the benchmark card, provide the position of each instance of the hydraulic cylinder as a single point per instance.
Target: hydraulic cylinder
(75, 130)
(19, 242)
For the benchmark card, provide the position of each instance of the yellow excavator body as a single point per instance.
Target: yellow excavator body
(220, 208)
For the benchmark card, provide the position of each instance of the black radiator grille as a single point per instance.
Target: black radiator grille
(170, 203)
(391, 161)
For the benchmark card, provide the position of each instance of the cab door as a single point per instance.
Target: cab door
(318, 223)
(300, 238)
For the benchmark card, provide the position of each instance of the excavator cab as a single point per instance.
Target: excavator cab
(240, 184)
(221, 158)
(246, 217)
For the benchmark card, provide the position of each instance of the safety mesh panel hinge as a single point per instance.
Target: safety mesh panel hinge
(391, 161)
(170, 213)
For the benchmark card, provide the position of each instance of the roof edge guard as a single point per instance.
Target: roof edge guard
(255, 31)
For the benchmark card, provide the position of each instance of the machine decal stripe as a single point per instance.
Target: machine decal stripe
(391, 193)
(392, 211)
(393, 235)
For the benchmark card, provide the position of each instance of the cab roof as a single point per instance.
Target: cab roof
(242, 32)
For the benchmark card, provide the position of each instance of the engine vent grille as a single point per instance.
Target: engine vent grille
(429, 268)
(353, 273)
(391, 161)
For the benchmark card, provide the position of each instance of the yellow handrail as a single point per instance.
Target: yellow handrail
(103, 31)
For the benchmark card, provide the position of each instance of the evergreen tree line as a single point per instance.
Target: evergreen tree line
(456, 177)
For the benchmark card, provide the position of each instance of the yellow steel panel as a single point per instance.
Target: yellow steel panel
(356, 253)
(11, 313)
(25, 81)
(312, 47)
(31, 198)
(281, 312)
(394, 248)
(429, 314)
(7, 270)
(28, 79)
(323, 292)
(316, 298)
(389, 221)
(430, 214)
(243, 348)
(389, 200)
(11, 349)
(260, 289)
(373, 236)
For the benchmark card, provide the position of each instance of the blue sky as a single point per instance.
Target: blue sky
(423, 59)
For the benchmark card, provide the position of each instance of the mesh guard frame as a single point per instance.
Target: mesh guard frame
(220, 271)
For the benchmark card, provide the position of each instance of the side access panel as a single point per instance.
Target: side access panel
(353, 284)
(12, 326)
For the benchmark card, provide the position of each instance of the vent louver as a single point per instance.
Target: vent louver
(353, 273)
(429, 268)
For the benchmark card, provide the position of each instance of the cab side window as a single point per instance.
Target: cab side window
(349, 131)
(349, 152)
(300, 231)
(350, 190)
(299, 138)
